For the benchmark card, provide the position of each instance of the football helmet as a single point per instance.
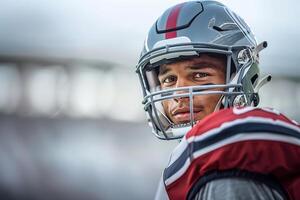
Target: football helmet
(187, 30)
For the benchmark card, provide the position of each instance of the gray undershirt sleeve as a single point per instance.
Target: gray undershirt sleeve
(236, 189)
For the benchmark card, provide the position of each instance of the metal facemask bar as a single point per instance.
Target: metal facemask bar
(163, 128)
(154, 101)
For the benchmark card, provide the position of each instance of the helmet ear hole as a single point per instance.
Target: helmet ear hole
(240, 101)
(254, 79)
(256, 99)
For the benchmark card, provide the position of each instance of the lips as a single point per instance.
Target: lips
(183, 114)
(184, 110)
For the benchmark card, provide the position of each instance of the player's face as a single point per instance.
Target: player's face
(202, 70)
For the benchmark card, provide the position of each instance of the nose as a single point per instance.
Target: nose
(181, 82)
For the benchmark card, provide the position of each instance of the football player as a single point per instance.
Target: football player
(199, 72)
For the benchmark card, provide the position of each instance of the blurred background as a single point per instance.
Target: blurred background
(71, 120)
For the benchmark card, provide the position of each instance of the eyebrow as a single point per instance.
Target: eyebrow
(199, 65)
(204, 64)
(163, 70)
(194, 66)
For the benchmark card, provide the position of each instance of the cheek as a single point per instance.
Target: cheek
(166, 105)
(218, 78)
(208, 102)
(221, 78)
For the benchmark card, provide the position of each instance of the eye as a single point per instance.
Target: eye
(200, 75)
(169, 80)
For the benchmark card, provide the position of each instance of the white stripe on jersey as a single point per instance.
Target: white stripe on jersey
(226, 125)
(233, 139)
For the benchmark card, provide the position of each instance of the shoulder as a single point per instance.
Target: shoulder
(236, 138)
(241, 116)
(236, 125)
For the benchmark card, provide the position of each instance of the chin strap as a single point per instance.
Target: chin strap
(220, 104)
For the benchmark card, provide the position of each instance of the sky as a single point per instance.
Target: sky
(114, 31)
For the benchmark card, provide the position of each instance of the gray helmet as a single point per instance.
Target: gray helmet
(187, 30)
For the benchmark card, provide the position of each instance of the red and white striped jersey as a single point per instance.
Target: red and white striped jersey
(250, 139)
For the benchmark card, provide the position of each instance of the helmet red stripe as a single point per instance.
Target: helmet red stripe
(172, 21)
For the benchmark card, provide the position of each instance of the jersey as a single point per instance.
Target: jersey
(248, 143)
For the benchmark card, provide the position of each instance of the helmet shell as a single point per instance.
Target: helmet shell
(201, 22)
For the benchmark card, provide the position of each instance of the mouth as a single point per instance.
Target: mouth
(183, 115)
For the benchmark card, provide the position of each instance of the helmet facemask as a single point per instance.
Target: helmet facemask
(231, 93)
